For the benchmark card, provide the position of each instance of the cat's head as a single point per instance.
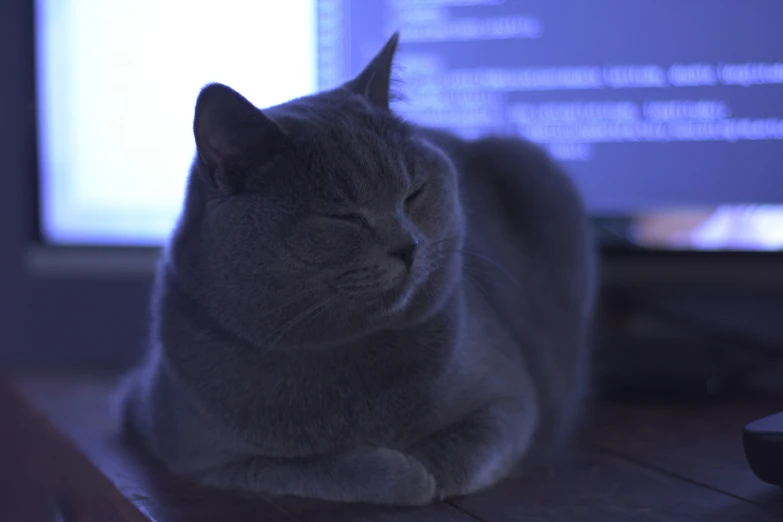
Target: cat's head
(319, 219)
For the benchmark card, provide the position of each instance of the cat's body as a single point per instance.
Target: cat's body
(415, 351)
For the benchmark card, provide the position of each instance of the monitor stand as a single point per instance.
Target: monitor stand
(763, 442)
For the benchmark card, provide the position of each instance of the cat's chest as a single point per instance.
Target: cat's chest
(491, 351)
(379, 395)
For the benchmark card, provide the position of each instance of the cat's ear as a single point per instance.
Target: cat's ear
(374, 82)
(231, 132)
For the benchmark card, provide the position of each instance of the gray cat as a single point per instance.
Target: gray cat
(353, 308)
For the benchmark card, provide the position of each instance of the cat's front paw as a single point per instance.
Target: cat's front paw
(395, 478)
(415, 485)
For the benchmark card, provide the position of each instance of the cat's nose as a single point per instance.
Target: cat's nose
(406, 252)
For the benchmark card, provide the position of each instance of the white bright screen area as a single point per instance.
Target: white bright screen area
(118, 81)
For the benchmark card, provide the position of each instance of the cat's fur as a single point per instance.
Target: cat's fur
(301, 345)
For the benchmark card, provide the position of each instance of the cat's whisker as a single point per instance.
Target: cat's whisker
(427, 291)
(446, 240)
(476, 255)
(494, 264)
(290, 301)
(481, 277)
(312, 317)
(289, 325)
(478, 285)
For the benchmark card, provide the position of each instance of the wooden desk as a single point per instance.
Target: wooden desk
(636, 463)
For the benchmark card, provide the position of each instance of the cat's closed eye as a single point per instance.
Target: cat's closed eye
(413, 196)
(350, 217)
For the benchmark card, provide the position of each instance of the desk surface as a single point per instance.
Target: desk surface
(634, 463)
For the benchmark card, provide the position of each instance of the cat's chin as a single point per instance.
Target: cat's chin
(401, 298)
(394, 302)
(409, 301)
(414, 298)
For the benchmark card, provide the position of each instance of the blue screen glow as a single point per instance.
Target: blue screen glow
(668, 111)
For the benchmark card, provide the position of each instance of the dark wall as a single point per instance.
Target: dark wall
(52, 317)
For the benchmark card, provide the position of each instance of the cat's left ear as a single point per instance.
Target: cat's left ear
(231, 133)
(374, 82)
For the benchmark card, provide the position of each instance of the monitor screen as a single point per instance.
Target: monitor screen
(668, 115)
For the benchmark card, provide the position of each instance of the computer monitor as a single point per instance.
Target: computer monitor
(668, 114)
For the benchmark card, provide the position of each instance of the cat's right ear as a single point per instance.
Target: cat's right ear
(232, 134)
(374, 82)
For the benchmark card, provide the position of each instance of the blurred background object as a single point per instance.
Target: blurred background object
(674, 138)
(649, 127)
